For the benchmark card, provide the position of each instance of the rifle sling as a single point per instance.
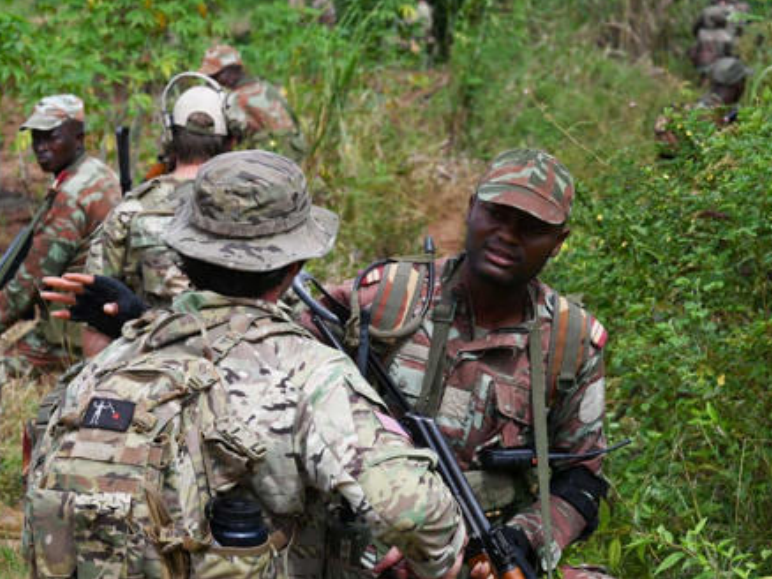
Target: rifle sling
(538, 403)
(442, 318)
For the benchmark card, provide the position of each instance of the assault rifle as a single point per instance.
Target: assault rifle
(17, 251)
(487, 542)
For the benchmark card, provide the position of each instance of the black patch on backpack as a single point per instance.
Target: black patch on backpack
(109, 414)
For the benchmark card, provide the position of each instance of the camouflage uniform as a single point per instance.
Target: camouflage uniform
(716, 30)
(487, 386)
(727, 71)
(129, 245)
(299, 430)
(258, 115)
(86, 190)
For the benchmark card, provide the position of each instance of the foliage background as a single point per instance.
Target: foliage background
(674, 257)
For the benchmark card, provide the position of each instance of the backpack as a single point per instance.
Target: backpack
(121, 480)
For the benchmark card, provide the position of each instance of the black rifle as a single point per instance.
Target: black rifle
(487, 542)
(17, 251)
(124, 161)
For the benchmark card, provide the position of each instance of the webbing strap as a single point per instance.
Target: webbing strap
(442, 318)
(539, 406)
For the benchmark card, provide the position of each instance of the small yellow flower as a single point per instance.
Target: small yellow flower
(688, 133)
(721, 380)
(665, 176)
(599, 217)
(624, 243)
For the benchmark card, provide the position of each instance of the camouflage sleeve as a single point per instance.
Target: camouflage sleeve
(576, 427)
(107, 253)
(54, 245)
(348, 444)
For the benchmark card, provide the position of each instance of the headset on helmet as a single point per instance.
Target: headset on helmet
(167, 114)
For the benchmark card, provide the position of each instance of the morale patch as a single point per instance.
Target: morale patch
(391, 425)
(593, 402)
(109, 414)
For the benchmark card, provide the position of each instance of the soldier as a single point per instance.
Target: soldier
(258, 115)
(727, 84)
(129, 247)
(469, 363)
(83, 192)
(716, 31)
(272, 431)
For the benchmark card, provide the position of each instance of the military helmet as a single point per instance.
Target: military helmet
(530, 180)
(251, 211)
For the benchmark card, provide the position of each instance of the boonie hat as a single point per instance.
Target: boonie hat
(530, 180)
(218, 57)
(52, 111)
(251, 211)
(204, 100)
(729, 71)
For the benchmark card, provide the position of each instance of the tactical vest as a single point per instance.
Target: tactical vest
(121, 480)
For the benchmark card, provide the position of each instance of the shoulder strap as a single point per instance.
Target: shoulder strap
(442, 318)
(569, 344)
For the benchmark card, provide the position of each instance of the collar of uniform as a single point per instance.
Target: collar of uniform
(538, 307)
(204, 301)
(69, 171)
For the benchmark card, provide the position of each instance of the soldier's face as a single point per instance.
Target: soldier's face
(57, 148)
(229, 76)
(506, 246)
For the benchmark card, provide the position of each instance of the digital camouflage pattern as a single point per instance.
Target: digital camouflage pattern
(275, 417)
(260, 118)
(251, 211)
(86, 192)
(530, 180)
(130, 248)
(52, 111)
(729, 71)
(486, 401)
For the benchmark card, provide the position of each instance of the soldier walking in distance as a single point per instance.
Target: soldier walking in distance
(258, 115)
(237, 441)
(495, 337)
(83, 192)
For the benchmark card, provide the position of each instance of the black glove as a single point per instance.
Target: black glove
(89, 305)
(516, 536)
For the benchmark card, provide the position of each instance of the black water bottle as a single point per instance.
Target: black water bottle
(236, 522)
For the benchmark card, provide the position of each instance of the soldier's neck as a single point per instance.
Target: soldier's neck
(494, 306)
(186, 170)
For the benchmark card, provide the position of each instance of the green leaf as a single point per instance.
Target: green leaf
(669, 561)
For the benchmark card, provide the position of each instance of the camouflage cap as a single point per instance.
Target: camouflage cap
(218, 57)
(251, 211)
(203, 100)
(52, 111)
(529, 180)
(729, 71)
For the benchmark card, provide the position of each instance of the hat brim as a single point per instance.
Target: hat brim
(40, 122)
(314, 238)
(525, 200)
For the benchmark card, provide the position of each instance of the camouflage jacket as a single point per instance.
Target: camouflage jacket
(86, 191)
(326, 433)
(129, 247)
(260, 118)
(486, 402)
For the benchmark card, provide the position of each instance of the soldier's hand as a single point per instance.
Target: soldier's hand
(102, 302)
(481, 571)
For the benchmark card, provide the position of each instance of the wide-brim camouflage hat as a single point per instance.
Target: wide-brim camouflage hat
(218, 57)
(530, 180)
(251, 211)
(52, 111)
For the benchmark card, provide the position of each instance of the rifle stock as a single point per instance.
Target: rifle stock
(487, 542)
